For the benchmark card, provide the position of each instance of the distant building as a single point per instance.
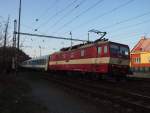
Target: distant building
(140, 56)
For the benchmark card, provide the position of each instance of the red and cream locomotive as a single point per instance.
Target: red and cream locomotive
(102, 58)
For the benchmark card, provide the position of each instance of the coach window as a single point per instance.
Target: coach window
(105, 49)
(82, 53)
(99, 50)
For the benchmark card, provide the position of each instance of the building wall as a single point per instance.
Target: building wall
(145, 57)
(140, 61)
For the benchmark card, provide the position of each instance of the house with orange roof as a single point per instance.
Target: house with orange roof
(140, 56)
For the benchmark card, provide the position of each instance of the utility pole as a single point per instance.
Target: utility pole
(18, 38)
(14, 58)
(19, 24)
(14, 34)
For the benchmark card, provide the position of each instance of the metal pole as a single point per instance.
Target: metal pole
(88, 36)
(14, 34)
(46, 36)
(71, 38)
(14, 58)
(19, 24)
(17, 53)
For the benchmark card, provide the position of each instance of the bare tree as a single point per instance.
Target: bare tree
(1, 35)
(2, 32)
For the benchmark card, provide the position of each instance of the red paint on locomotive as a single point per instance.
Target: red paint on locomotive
(102, 57)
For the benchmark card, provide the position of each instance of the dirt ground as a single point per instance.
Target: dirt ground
(56, 99)
(16, 96)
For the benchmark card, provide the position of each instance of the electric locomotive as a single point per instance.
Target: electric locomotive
(103, 58)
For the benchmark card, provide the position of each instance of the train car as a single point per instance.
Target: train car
(39, 63)
(104, 58)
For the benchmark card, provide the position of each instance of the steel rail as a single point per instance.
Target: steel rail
(101, 93)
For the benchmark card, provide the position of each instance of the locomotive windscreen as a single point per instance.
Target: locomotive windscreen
(118, 50)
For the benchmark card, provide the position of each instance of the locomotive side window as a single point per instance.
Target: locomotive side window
(99, 51)
(105, 49)
(82, 53)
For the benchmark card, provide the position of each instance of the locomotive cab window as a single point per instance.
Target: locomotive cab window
(99, 51)
(124, 51)
(105, 49)
(82, 53)
(114, 49)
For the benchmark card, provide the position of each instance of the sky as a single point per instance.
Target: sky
(125, 21)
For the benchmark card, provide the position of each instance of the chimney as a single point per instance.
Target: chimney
(143, 37)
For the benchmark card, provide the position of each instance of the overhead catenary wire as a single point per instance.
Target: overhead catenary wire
(68, 13)
(37, 19)
(126, 20)
(103, 14)
(128, 36)
(47, 10)
(134, 25)
(57, 13)
(129, 26)
(31, 28)
(80, 14)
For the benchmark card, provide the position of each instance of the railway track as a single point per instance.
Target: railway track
(139, 87)
(128, 100)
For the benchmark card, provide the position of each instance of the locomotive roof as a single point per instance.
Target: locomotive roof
(88, 44)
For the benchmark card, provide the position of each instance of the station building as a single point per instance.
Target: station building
(140, 56)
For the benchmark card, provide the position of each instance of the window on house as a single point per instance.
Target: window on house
(135, 60)
(139, 60)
